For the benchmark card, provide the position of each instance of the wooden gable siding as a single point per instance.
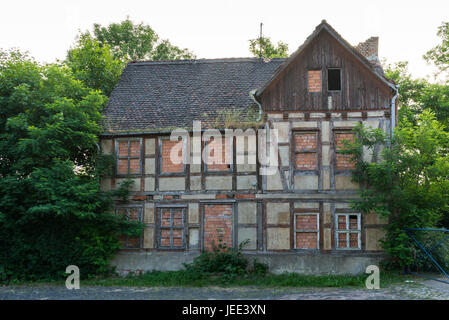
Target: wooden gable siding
(361, 89)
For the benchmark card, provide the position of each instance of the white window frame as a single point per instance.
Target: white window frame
(308, 230)
(348, 231)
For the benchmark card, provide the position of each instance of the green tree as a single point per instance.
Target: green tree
(94, 64)
(52, 212)
(98, 59)
(439, 55)
(137, 42)
(409, 183)
(417, 95)
(263, 46)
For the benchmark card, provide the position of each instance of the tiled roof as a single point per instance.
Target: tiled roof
(162, 95)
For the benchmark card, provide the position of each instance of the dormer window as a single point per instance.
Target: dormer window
(334, 79)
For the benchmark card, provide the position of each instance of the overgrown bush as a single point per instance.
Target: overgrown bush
(409, 182)
(226, 262)
(52, 212)
(221, 259)
(260, 269)
(437, 244)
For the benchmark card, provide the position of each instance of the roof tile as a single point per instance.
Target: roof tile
(163, 95)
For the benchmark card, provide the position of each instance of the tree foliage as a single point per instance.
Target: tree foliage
(94, 64)
(133, 42)
(52, 212)
(409, 183)
(439, 55)
(417, 95)
(263, 46)
(98, 59)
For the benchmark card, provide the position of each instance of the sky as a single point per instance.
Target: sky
(221, 29)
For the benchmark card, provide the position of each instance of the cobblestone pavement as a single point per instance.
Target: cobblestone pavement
(422, 289)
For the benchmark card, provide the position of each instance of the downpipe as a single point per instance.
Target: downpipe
(252, 93)
(393, 110)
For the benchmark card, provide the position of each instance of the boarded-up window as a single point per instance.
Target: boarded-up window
(130, 214)
(314, 80)
(128, 156)
(219, 154)
(172, 158)
(348, 231)
(217, 225)
(305, 149)
(343, 161)
(171, 223)
(306, 231)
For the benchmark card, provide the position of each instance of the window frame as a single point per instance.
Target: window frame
(349, 231)
(140, 219)
(183, 227)
(231, 164)
(337, 151)
(297, 171)
(341, 80)
(307, 82)
(296, 230)
(234, 225)
(128, 157)
(159, 160)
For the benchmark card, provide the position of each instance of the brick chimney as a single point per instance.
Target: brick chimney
(370, 47)
(370, 50)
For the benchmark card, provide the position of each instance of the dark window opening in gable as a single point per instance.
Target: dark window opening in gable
(333, 79)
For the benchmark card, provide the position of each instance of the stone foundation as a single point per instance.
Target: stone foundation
(303, 263)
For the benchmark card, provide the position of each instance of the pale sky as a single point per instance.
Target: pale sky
(221, 29)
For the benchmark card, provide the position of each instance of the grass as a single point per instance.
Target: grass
(188, 279)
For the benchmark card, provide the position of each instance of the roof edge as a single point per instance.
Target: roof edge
(195, 61)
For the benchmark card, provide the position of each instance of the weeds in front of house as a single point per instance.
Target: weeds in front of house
(228, 267)
(186, 278)
(225, 263)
